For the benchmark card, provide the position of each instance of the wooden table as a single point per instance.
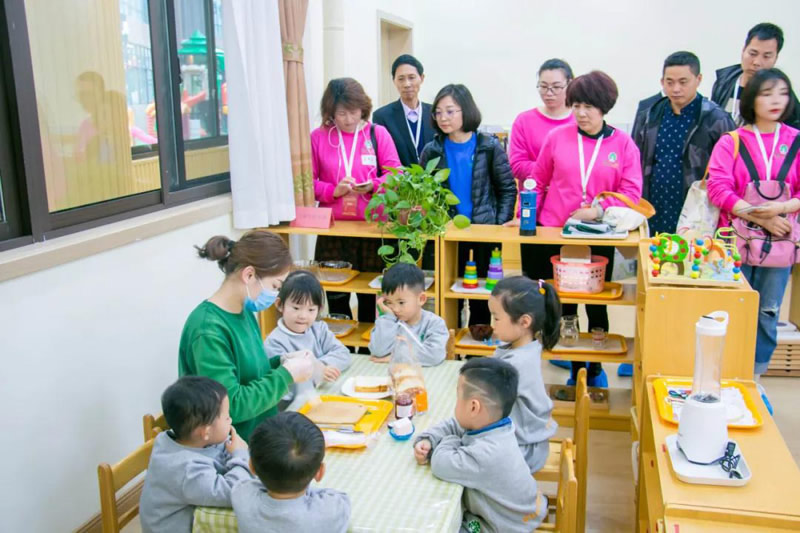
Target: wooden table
(769, 502)
(388, 491)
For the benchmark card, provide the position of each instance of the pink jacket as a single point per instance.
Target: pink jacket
(728, 178)
(558, 176)
(328, 166)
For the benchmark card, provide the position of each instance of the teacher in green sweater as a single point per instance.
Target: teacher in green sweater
(221, 338)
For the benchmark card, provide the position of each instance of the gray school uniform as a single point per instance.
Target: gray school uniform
(532, 410)
(319, 340)
(500, 495)
(317, 511)
(430, 329)
(180, 478)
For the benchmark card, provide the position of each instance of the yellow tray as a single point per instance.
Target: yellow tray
(461, 342)
(353, 324)
(611, 291)
(665, 408)
(585, 346)
(377, 413)
(351, 274)
(367, 334)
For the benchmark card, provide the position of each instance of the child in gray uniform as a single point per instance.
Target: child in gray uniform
(477, 449)
(195, 462)
(300, 301)
(401, 301)
(526, 315)
(287, 453)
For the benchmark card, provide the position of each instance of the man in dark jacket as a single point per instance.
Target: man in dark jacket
(408, 119)
(675, 135)
(761, 48)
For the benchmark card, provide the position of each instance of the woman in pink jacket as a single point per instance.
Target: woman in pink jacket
(348, 157)
(575, 164)
(765, 103)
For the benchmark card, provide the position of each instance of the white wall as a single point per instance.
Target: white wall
(87, 349)
(496, 47)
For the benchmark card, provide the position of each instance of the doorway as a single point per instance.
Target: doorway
(395, 39)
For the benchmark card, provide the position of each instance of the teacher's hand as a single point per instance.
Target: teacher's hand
(778, 226)
(585, 214)
(301, 368)
(343, 187)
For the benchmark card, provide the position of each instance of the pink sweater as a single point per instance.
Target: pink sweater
(527, 135)
(728, 178)
(328, 165)
(558, 176)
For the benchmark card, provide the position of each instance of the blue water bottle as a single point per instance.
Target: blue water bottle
(527, 198)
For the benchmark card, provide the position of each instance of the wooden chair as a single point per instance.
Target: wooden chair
(451, 346)
(153, 425)
(113, 478)
(580, 438)
(566, 501)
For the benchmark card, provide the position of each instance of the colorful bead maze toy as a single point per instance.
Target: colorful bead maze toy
(470, 273)
(495, 269)
(697, 261)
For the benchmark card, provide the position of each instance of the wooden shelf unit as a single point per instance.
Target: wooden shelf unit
(358, 285)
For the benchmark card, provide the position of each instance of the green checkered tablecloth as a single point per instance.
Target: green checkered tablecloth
(388, 490)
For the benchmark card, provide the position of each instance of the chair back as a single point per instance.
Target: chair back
(153, 425)
(112, 478)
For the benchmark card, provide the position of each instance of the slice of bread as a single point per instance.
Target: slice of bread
(372, 383)
(410, 384)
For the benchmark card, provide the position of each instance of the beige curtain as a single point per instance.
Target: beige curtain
(293, 20)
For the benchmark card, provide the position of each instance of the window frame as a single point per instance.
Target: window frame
(39, 223)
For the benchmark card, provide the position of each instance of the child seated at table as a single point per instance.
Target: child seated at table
(400, 304)
(286, 454)
(526, 315)
(477, 449)
(197, 461)
(300, 301)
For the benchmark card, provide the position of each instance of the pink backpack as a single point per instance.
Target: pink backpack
(757, 246)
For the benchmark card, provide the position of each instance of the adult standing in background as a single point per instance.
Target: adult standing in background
(348, 157)
(761, 48)
(407, 119)
(675, 135)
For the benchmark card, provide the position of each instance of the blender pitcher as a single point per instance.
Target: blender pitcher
(703, 426)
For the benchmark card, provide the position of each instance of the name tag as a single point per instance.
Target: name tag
(369, 160)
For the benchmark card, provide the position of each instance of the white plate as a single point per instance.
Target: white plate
(348, 389)
(705, 474)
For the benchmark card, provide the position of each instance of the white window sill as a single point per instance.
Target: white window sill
(43, 255)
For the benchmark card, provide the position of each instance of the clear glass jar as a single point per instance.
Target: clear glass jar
(569, 330)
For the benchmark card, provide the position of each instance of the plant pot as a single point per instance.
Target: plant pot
(403, 214)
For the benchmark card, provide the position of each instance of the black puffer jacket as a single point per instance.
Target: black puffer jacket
(712, 124)
(725, 84)
(494, 190)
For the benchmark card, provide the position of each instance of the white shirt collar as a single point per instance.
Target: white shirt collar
(407, 110)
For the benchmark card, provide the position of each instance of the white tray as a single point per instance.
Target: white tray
(348, 389)
(618, 235)
(457, 287)
(705, 474)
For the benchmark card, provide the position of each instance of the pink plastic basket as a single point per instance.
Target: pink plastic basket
(587, 278)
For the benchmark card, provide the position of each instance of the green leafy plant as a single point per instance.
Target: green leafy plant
(415, 207)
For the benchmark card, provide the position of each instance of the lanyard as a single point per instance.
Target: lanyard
(735, 106)
(767, 160)
(348, 163)
(587, 171)
(414, 139)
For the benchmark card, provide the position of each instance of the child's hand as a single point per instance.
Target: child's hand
(236, 442)
(382, 360)
(421, 451)
(331, 373)
(382, 307)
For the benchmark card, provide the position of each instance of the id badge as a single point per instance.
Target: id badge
(369, 160)
(350, 205)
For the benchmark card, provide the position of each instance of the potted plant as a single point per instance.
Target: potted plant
(414, 206)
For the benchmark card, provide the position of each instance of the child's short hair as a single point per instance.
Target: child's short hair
(191, 402)
(493, 380)
(403, 275)
(302, 287)
(521, 295)
(287, 451)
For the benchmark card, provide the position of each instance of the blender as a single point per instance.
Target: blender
(703, 426)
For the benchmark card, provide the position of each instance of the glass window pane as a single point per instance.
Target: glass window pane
(92, 99)
(204, 117)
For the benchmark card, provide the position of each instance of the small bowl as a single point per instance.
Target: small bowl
(481, 332)
(338, 316)
(337, 265)
(402, 437)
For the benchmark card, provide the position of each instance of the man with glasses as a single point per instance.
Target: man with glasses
(408, 119)
(675, 135)
(761, 48)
